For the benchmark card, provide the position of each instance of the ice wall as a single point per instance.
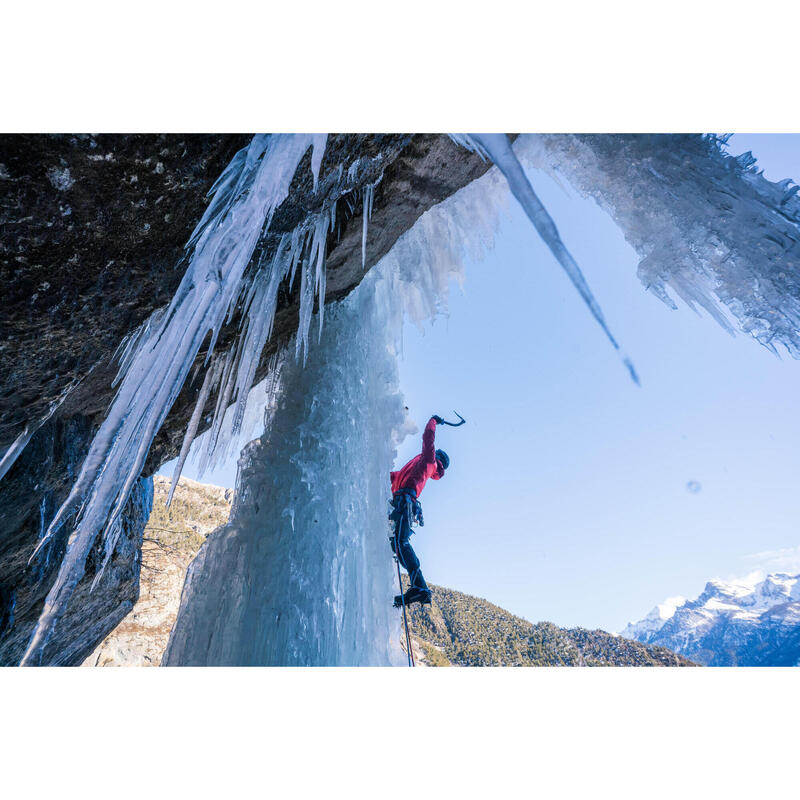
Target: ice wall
(302, 574)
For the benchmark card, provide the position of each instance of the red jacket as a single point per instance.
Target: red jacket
(415, 474)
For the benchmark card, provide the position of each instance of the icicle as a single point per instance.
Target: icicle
(223, 399)
(211, 377)
(16, 447)
(306, 307)
(746, 160)
(369, 193)
(109, 543)
(320, 140)
(244, 200)
(497, 147)
(297, 246)
(260, 318)
(21, 442)
(42, 512)
(129, 346)
(352, 170)
(318, 252)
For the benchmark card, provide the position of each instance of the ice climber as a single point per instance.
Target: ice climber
(407, 485)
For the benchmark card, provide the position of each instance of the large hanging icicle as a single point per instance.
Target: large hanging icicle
(211, 377)
(369, 196)
(497, 147)
(244, 199)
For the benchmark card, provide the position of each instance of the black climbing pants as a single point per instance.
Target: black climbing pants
(402, 509)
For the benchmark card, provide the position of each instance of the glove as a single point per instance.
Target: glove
(439, 420)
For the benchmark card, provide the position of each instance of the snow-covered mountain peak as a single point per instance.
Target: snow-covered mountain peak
(658, 615)
(756, 591)
(666, 609)
(728, 617)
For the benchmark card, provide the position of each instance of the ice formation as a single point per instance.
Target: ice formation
(157, 361)
(17, 446)
(497, 147)
(709, 228)
(302, 574)
(21, 442)
(369, 195)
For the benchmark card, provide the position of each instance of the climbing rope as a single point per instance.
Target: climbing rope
(410, 654)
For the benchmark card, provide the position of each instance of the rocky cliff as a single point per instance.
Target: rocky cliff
(172, 538)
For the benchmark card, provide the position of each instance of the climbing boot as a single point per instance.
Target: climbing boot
(416, 595)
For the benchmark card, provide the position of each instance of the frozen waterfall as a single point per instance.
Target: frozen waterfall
(302, 572)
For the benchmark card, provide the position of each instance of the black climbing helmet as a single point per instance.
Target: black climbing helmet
(443, 457)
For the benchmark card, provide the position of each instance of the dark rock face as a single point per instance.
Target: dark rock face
(92, 231)
(42, 478)
(92, 235)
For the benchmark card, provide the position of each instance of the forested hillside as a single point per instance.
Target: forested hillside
(461, 630)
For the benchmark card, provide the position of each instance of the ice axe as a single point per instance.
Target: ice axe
(441, 421)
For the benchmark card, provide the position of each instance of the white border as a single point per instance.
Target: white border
(422, 65)
(547, 732)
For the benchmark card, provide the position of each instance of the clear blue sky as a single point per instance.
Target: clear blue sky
(567, 495)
